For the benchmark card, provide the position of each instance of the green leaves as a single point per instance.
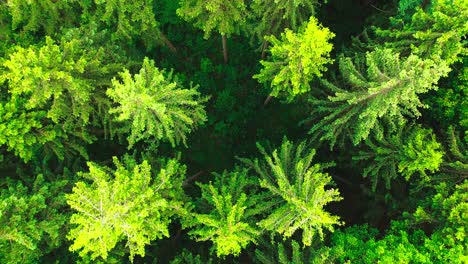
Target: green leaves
(126, 204)
(296, 59)
(298, 186)
(229, 223)
(154, 106)
(387, 90)
(225, 17)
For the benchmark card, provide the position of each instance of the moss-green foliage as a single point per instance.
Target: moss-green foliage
(31, 219)
(296, 59)
(299, 188)
(225, 17)
(403, 153)
(229, 223)
(283, 253)
(153, 105)
(271, 17)
(384, 87)
(132, 203)
(436, 31)
(186, 257)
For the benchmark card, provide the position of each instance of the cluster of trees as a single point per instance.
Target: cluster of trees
(265, 131)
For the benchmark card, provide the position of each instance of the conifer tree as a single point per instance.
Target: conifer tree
(283, 253)
(271, 17)
(232, 203)
(299, 189)
(385, 87)
(225, 17)
(31, 219)
(409, 150)
(130, 203)
(296, 59)
(54, 93)
(435, 31)
(155, 106)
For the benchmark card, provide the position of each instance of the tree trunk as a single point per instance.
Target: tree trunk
(168, 43)
(225, 51)
(267, 100)
(264, 49)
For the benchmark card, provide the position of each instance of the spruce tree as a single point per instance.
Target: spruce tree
(383, 89)
(153, 105)
(296, 59)
(232, 203)
(299, 190)
(402, 153)
(134, 202)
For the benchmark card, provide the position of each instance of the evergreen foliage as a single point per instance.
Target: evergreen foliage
(298, 187)
(153, 105)
(437, 31)
(296, 59)
(386, 88)
(31, 219)
(130, 203)
(405, 152)
(229, 224)
(271, 17)
(225, 17)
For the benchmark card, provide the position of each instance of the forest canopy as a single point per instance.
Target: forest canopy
(233, 131)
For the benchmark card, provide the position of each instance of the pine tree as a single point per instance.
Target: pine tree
(130, 203)
(386, 88)
(31, 219)
(232, 203)
(153, 105)
(409, 150)
(225, 17)
(296, 59)
(437, 31)
(298, 187)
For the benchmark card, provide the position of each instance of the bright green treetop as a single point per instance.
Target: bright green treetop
(154, 106)
(296, 59)
(130, 203)
(299, 189)
(228, 223)
(405, 152)
(386, 87)
(31, 219)
(223, 16)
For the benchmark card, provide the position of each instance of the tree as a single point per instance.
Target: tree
(437, 31)
(130, 203)
(387, 91)
(129, 20)
(154, 106)
(298, 189)
(271, 17)
(296, 59)
(409, 150)
(54, 95)
(45, 16)
(232, 203)
(226, 17)
(32, 219)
